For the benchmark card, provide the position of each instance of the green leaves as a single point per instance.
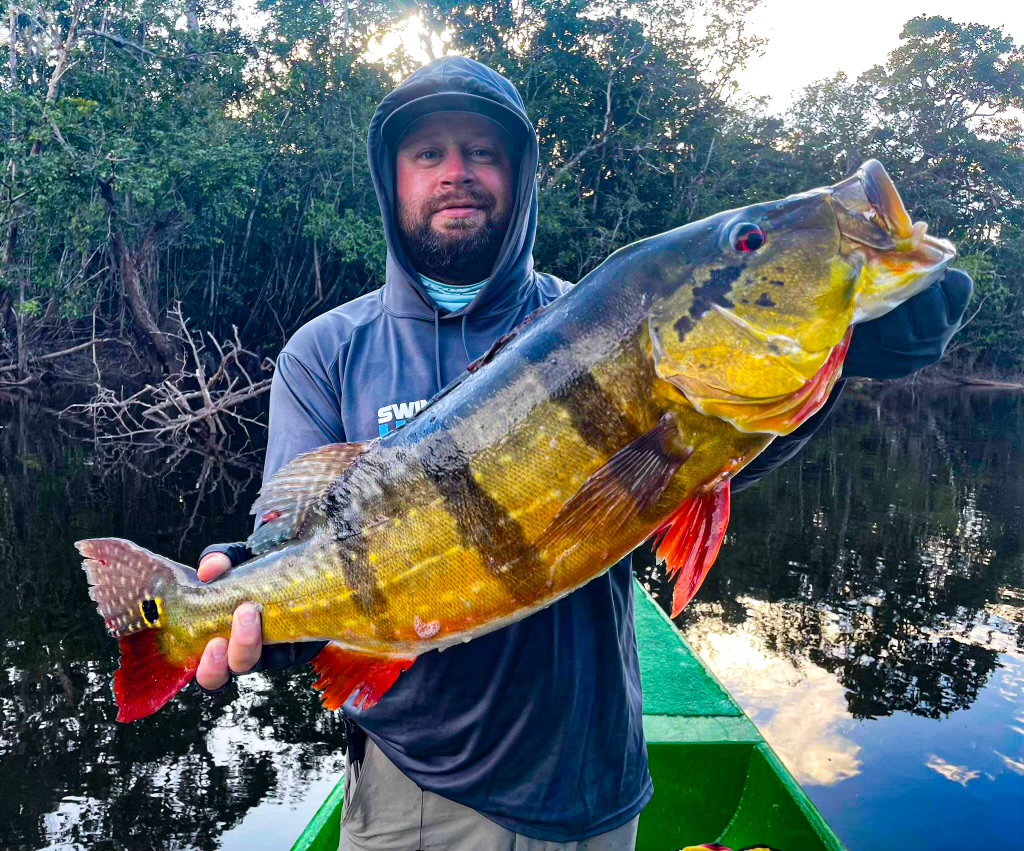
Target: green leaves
(230, 155)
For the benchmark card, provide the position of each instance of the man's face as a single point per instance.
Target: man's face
(453, 179)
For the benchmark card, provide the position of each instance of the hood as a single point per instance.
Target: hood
(450, 83)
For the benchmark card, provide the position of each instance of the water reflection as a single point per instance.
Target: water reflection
(868, 596)
(72, 777)
(868, 613)
(898, 543)
(799, 707)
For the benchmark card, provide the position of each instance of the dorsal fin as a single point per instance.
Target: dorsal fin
(505, 339)
(486, 357)
(288, 501)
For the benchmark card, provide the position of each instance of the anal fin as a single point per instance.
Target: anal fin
(688, 542)
(345, 672)
(632, 481)
(288, 501)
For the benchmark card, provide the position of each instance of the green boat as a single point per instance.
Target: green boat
(715, 778)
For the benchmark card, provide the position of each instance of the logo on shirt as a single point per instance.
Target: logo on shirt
(390, 417)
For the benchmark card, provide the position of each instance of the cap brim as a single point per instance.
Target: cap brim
(396, 124)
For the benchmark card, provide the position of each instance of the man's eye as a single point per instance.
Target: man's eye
(483, 152)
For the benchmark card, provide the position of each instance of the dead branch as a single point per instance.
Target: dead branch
(81, 347)
(204, 398)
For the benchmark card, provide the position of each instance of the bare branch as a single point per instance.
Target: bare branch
(197, 399)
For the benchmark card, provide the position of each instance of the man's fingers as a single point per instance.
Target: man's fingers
(212, 672)
(246, 639)
(957, 287)
(213, 566)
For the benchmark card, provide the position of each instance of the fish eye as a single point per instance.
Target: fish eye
(746, 236)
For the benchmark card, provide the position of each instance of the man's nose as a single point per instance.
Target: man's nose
(457, 170)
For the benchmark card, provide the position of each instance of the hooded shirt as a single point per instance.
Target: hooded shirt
(538, 725)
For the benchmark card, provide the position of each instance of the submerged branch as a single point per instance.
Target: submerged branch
(205, 396)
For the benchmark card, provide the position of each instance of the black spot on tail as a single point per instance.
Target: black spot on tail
(151, 612)
(764, 300)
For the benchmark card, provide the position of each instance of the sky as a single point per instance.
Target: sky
(812, 41)
(806, 41)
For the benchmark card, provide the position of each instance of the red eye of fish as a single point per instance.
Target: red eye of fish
(747, 237)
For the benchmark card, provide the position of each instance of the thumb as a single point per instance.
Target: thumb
(213, 566)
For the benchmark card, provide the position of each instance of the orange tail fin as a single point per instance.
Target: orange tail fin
(128, 584)
(343, 672)
(688, 542)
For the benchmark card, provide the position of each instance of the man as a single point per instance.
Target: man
(531, 736)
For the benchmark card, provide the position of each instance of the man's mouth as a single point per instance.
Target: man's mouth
(459, 211)
(460, 207)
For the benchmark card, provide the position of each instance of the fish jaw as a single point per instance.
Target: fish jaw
(898, 257)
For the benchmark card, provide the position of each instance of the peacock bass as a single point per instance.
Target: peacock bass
(624, 409)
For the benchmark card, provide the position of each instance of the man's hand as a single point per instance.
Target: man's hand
(239, 655)
(912, 336)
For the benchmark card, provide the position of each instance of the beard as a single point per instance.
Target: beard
(462, 252)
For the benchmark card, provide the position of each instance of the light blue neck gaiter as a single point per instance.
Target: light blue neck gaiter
(449, 297)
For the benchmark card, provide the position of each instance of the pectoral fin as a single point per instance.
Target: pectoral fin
(632, 481)
(344, 673)
(288, 503)
(689, 541)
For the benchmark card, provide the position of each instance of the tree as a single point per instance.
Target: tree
(943, 115)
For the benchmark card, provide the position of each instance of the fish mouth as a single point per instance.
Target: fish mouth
(898, 258)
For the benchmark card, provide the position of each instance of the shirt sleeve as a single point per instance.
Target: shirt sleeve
(305, 413)
(782, 449)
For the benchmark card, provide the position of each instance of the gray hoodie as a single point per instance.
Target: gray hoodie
(539, 725)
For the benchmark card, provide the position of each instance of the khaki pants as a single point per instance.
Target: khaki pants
(386, 811)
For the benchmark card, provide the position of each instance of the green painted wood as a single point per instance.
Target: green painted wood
(668, 729)
(675, 681)
(715, 778)
(323, 833)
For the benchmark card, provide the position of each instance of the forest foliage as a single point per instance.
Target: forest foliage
(178, 151)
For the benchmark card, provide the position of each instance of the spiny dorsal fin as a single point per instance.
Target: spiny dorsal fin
(688, 542)
(288, 501)
(632, 481)
(487, 356)
(505, 339)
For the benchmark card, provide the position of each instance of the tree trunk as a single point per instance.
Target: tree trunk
(6, 299)
(130, 266)
(20, 323)
(12, 62)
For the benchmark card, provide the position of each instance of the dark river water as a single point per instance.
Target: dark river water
(867, 611)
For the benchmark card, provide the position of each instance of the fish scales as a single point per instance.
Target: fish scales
(618, 413)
